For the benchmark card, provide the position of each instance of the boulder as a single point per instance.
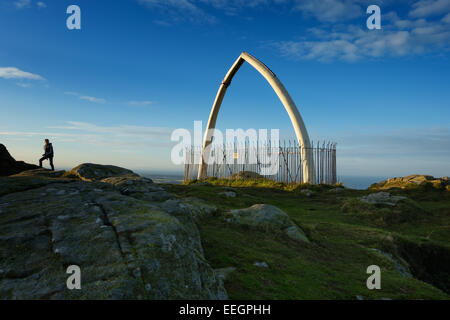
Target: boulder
(262, 264)
(138, 187)
(412, 180)
(382, 198)
(267, 217)
(228, 194)
(308, 193)
(9, 166)
(246, 175)
(199, 208)
(127, 248)
(94, 172)
(337, 190)
(224, 273)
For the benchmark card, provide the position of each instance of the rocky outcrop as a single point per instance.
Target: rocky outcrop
(267, 217)
(412, 180)
(95, 172)
(128, 236)
(246, 175)
(9, 166)
(382, 198)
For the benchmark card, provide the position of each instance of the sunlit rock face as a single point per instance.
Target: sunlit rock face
(269, 218)
(128, 236)
(411, 181)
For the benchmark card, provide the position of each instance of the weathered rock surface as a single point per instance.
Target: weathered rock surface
(9, 166)
(415, 179)
(138, 187)
(199, 208)
(307, 192)
(127, 244)
(402, 267)
(384, 198)
(94, 172)
(261, 264)
(267, 217)
(228, 194)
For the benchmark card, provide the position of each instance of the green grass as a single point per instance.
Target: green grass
(333, 265)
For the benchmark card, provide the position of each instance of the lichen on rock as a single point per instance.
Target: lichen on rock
(128, 245)
(267, 217)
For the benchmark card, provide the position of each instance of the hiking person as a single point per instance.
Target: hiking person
(48, 149)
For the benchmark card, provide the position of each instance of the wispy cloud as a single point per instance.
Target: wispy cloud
(85, 97)
(93, 99)
(400, 36)
(121, 130)
(23, 84)
(331, 10)
(134, 138)
(139, 103)
(20, 4)
(15, 73)
(199, 11)
(179, 10)
(427, 8)
(24, 4)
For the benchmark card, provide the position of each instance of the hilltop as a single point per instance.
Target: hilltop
(243, 238)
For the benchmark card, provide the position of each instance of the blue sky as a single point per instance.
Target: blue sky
(114, 91)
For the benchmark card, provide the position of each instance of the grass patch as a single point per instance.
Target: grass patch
(342, 231)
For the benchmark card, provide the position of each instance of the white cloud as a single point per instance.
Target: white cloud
(330, 10)
(199, 11)
(398, 37)
(15, 73)
(143, 131)
(446, 19)
(20, 4)
(426, 8)
(92, 134)
(93, 99)
(23, 84)
(84, 97)
(179, 10)
(41, 4)
(139, 103)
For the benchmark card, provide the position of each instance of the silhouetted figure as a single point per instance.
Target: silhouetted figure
(48, 149)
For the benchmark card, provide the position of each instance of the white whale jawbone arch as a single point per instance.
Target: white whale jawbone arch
(297, 121)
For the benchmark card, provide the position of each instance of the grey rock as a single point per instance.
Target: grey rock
(261, 264)
(267, 217)
(336, 190)
(403, 269)
(224, 273)
(384, 198)
(95, 172)
(307, 192)
(143, 248)
(199, 208)
(228, 194)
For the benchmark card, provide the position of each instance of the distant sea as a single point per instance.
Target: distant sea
(359, 182)
(349, 181)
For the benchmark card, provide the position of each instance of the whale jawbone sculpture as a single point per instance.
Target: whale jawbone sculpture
(297, 121)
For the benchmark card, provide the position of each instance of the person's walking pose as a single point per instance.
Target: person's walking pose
(48, 149)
